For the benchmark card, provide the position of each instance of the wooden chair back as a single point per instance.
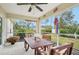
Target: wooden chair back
(62, 50)
(47, 37)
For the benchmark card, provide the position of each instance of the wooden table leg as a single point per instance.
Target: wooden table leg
(45, 48)
(35, 52)
(26, 46)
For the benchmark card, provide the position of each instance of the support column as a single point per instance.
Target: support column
(38, 27)
(4, 21)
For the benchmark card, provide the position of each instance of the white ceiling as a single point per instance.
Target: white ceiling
(13, 8)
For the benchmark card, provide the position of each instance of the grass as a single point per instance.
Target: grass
(63, 40)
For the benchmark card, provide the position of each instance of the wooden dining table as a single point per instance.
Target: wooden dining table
(34, 44)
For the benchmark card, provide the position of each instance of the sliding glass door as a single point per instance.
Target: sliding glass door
(0, 30)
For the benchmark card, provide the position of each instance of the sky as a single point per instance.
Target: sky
(76, 13)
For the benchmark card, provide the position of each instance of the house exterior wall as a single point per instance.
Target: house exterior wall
(3, 16)
(9, 28)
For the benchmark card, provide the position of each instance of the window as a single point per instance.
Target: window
(47, 25)
(69, 27)
(22, 26)
(70, 21)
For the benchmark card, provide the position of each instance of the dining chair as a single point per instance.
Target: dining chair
(60, 50)
(47, 37)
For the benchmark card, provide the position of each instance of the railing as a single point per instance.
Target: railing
(70, 35)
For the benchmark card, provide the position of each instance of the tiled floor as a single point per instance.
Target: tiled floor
(18, 49)
(75, 52)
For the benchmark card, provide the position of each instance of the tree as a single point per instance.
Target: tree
(67, 18)
(66, 21)
(28, 24)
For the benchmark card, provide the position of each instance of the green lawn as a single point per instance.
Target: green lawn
(64, 40)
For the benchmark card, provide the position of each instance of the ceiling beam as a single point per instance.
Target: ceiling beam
(16, 16)
(61, 8)
(2, 11)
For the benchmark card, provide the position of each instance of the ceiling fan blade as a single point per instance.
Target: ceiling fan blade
(30, 9)
(30, 3)
(23, 3)
(41, 3)
(38, 8)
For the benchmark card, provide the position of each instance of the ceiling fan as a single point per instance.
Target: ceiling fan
(33, 4)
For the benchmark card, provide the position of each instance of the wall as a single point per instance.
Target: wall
(3, 15)
(7, 26)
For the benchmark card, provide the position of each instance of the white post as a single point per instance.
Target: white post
(57, 39)
(4, 21)
(75, 35)
(38, 27)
